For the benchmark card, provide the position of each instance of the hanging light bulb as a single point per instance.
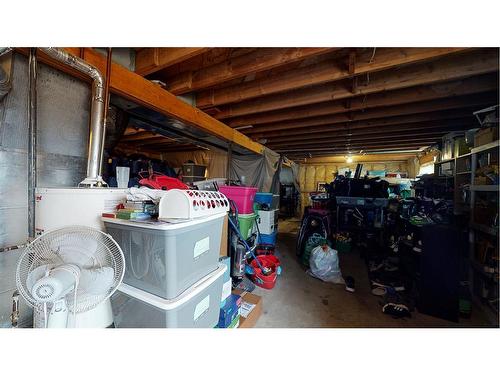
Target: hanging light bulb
(348, 159)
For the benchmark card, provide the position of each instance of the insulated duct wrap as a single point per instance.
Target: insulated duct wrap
(96, 109)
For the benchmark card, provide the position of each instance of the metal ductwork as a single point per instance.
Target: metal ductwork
(96, 112)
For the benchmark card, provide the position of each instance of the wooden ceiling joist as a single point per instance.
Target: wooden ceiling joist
(260, 60)
(324, 72)
(150, 60)
(398, 122)
(380, 113)
(467, 86)
(389, 131)
(453, 68)
(141, 91)
(361, 140)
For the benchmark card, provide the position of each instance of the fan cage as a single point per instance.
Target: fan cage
(85, 247)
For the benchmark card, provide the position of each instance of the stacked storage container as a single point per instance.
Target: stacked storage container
(173, 278)
(243, 197)
(267, 221)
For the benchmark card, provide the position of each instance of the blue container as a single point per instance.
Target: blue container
(264, 198)
(269, 239)
(229, 311)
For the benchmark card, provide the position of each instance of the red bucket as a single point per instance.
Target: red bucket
(268, 261)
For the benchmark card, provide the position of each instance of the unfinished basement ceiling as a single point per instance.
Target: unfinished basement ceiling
(332, 101)
(151, 133)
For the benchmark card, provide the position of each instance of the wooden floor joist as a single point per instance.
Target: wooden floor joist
(324, 72)
(467, 86)
(453, 68)
(141, 91)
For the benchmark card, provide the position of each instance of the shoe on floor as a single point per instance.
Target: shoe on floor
(349, 284)
(397, 310)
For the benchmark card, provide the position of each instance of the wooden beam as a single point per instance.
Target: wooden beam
(324, 72)
(453, 68)
(132, 86)
(150, 60)
(379, 113)
(141, 91)
(386, 131)
(260, 60)
(408, 121)
(362, 140)
(467, 86)
(359, 158)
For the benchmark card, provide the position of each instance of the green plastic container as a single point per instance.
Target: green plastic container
(246, 223)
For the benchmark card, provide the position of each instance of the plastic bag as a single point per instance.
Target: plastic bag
(324, 265)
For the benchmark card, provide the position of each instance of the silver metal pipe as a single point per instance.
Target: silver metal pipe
(32, 127)
(4, 50)
(96, 112)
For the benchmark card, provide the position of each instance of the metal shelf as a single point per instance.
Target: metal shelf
(463, 156)
(466, 172)
(486, 147)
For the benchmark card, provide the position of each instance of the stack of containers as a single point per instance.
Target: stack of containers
(267, 212)
(192, 173)
(173, 278)
(243, 197)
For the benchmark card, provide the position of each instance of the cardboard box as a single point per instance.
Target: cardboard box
(256, 312)
(485, 136)
(223, 242)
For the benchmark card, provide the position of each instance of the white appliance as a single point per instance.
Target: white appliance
(267, 221)
(67, 272)
(59, 207)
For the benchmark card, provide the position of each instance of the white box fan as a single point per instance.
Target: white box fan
(191, 204)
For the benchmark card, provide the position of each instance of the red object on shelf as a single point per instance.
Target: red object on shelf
(267, 261)
(161, 182)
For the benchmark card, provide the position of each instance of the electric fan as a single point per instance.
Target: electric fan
(67, 273)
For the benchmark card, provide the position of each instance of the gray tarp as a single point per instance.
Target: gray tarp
(257, 170)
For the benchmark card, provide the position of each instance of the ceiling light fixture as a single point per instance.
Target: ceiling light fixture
(348, 159)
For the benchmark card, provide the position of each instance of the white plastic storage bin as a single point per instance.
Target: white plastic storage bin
(190, 204)
(165, 259)
(267, 221)
(197, 307)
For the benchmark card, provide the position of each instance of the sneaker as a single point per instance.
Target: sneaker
(349, 284)
(397, 310)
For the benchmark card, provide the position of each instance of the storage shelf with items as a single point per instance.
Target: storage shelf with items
(484, 253)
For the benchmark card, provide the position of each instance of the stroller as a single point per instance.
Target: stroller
(314, 222)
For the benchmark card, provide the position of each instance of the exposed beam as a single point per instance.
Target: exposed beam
(324, 72)
(338, 150)
(150, 60)
(260, 60)
(389, 131)
(402, 157)
(453, 68)
(140, 136)
(467, 86)
(400, 122)
(380, 113)
(139, 90)
(360, 141)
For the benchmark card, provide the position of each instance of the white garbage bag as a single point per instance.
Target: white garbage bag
(324, 265)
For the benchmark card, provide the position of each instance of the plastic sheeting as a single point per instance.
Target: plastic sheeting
(257, 170)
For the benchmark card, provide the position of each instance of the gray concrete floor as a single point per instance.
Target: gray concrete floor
(300, 301)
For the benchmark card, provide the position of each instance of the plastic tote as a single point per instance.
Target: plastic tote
(246, 223)
(197, 307)
(165, 259)
(268, 238)
(264, 198)
(242, 196)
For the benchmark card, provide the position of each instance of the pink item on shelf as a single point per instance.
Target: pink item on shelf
(243, 197)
